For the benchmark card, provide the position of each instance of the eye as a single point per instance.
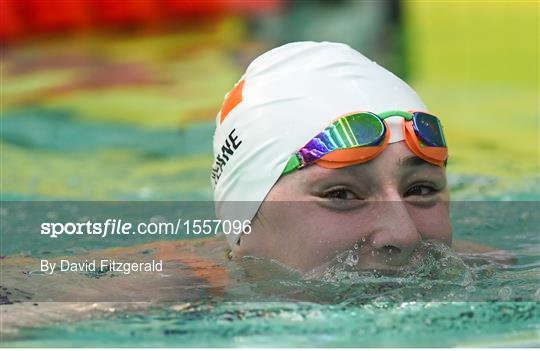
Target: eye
(420, 190)
(340, 194)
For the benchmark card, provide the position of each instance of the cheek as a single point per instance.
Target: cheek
(433, 223)
(302, 235)
(323, 234)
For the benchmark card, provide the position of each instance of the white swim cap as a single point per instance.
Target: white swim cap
(285, 98)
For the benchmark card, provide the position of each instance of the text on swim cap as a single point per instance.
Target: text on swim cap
(227, 150)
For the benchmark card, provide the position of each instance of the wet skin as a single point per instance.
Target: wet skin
(386, 207)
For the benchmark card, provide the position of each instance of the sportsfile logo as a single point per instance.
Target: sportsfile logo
(228, 148)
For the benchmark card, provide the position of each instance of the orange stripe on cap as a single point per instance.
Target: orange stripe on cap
(234, 97)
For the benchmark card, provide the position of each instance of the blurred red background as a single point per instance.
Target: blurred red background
(22, 19)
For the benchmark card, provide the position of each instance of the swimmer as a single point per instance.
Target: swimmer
(325, 150)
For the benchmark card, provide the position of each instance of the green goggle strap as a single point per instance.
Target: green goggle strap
(406, 115)
(293, 164)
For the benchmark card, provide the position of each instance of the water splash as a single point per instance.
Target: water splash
(433, 273)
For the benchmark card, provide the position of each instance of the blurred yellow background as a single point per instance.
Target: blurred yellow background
(476, 65)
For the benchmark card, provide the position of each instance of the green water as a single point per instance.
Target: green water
(301, 325)
(440, 299)
(498, 306)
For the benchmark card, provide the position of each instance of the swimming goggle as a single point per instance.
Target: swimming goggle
(361, 136)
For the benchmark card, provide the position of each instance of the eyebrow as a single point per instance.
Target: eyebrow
(412, 161)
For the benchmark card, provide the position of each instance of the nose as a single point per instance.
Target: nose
(398, 237)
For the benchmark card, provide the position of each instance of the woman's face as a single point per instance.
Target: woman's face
(385, 207)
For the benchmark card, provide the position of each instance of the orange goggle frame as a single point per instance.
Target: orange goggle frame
(361, 136)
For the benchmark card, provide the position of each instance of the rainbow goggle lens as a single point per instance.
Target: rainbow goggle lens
(361, 136)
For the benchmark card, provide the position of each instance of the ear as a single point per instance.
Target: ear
(237, 250)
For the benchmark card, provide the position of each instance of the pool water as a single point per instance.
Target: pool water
(440, 298)
(64, 139)
(302, 324)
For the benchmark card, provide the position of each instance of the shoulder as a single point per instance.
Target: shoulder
(469, 248)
